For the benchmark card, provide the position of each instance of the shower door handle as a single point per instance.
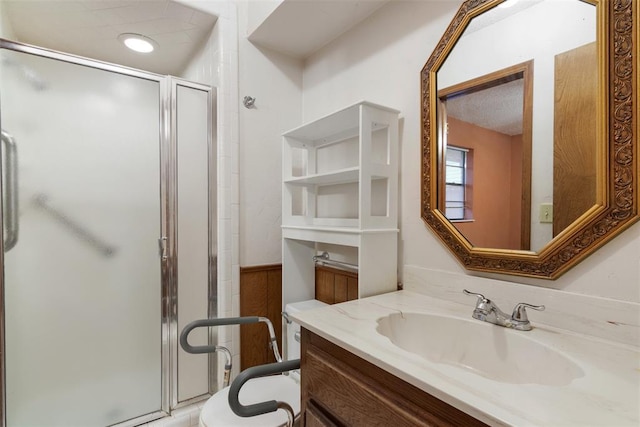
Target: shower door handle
(11, 191)
(162, 248)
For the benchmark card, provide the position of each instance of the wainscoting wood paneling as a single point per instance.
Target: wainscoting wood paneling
(334, 285)
(260, 295)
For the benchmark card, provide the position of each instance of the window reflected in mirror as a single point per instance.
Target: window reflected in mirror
(457, 207)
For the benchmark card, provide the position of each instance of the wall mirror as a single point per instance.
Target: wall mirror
(529, 132)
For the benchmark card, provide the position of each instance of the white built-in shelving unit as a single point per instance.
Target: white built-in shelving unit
(340, 195)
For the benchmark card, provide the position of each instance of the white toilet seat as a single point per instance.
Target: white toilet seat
(216, 412)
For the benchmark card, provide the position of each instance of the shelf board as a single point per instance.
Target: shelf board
(337, 229)
(347, 236)
(341, 122)
(342, 176)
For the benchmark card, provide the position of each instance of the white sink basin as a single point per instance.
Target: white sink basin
(494, 352)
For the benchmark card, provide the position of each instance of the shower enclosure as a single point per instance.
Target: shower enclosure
(108, 173)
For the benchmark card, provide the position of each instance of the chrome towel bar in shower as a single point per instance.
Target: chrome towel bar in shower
(80, 231)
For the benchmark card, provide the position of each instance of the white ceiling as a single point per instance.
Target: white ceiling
(498, 108)
(300, 27)
(90, 28)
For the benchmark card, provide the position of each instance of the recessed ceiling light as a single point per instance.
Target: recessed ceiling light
(138, 42)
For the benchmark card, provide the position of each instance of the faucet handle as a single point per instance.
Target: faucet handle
(520, 312)
(481, 298)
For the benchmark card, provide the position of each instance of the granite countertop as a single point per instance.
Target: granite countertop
(605, 393)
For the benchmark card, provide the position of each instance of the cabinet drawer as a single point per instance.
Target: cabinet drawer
(315, 417)
(350, 398)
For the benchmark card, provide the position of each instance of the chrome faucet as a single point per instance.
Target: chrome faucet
(487, 311)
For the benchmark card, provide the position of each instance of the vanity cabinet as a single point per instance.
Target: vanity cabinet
(341, 389)
(340, 195)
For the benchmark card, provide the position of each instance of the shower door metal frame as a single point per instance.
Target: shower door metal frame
(168, 232)
(212, 290)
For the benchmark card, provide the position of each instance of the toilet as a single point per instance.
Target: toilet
(286, 387)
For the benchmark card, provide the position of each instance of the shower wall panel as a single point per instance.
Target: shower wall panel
(194, 185)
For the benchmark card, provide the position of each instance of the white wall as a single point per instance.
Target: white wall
(6, 30)
(275, 80)
(380, 61)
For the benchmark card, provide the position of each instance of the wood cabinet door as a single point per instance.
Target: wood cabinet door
(342, 389)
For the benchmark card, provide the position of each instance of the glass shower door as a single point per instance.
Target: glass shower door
(82, 282)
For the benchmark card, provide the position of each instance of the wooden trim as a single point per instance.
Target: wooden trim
(522, 71)
(441, 152)
(487, 81)
(527, 156)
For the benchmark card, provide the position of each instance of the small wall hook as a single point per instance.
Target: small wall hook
(248, 101)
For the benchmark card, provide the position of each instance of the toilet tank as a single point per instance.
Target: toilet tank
(292, 349)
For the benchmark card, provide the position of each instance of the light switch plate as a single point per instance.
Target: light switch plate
(546, 212)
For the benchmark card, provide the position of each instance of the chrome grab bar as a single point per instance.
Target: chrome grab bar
(11, 191)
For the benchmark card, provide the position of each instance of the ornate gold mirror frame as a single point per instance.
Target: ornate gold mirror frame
(617, 202)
